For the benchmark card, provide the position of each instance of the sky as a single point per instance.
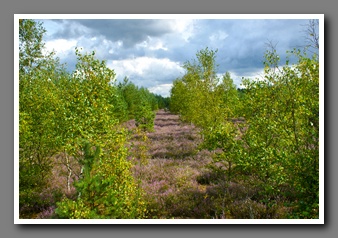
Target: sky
(151, 51)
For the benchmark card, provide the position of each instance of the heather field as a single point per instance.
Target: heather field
(171, 169)
(178, 183)
(177, 178)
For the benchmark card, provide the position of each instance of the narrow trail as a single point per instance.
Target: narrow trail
(171, 138)
(170, 176)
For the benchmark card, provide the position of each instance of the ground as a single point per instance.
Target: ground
(175, 175)
(174, 165)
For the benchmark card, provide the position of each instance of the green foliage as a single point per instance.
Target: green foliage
(39, 104)
(144, 115)
(58, 112)
(141, 104)
(284, 110)
(230, 102)
(209, 102)
(163, 102)
(107, 189)
(178, 98)
(130, 95)
(200, 96)
(267, 132)
(223, 136)
(30, 44)
(278, 142)
(120, 105)
(89, 158)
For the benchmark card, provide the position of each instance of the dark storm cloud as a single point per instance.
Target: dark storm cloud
(69, 30)
(246, 40)
(240, 43)
(130, 32)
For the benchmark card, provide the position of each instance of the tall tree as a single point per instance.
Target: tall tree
(39, 105)
(200, 95)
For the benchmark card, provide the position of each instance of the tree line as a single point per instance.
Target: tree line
(78, 115)
(265, 135)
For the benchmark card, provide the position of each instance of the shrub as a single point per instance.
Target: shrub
(107, 188)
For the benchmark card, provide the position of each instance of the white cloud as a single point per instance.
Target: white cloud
(60, 46)
(157, 45)
(217, 39)
(142, 65)
(146, 70)
(161, 89)
(152, 44)
(218, 36)
(184, 28)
